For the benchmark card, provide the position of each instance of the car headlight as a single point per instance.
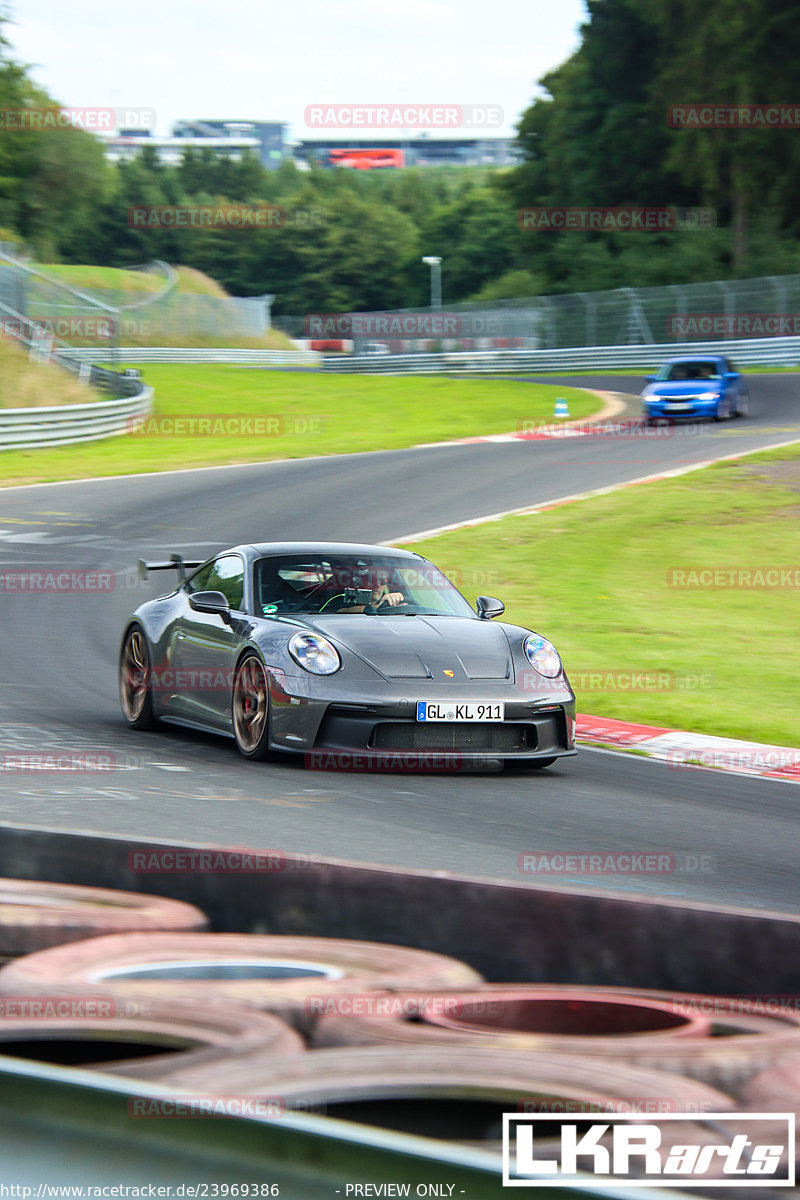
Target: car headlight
(542, 655)
(314, 653)
(650, 397)
(708, 396)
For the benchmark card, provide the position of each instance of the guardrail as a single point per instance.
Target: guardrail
(746, 352)
(749, 352)
(169, 285)
(233, 357)
(63, 425)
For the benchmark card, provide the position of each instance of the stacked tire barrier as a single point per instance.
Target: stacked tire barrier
(407, 1039)
(34, 916)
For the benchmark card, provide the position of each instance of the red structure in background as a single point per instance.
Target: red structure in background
(366, 160)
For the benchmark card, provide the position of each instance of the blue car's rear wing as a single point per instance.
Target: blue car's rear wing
(176, 563)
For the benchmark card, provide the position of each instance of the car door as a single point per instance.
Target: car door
(205, 647)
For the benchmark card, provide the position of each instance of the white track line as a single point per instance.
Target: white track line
(573, 497)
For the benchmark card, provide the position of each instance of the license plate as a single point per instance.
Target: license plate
(677, 407)
(459, 710)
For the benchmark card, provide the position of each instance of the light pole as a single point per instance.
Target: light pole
(435, 265)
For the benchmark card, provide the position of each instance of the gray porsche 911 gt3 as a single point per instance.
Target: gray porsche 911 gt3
(334, 650)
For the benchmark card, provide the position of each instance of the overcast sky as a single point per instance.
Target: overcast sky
(262, 60)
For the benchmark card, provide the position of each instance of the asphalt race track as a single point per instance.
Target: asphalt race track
(59, 652)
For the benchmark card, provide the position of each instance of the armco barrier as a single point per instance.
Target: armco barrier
(63, 425)
(750, 352)
(233, 356)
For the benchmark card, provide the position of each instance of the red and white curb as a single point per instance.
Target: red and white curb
(601, 422)
(539, 433)
(679, 748)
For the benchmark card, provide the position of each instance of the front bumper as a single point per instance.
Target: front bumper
(665, 410)
(384, 728)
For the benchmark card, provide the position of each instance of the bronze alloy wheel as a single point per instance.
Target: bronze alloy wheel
(134, 680)
(251, 708)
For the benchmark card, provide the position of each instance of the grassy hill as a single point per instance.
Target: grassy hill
(86, 277)
(170, 323)
(24, 384)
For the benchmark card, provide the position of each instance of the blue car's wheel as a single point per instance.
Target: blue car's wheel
(723, 410)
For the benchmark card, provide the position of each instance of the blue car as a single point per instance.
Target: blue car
(703, 385)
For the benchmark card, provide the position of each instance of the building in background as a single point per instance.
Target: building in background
(362, 160)
(271, 135)
(267, 139)
(416, 151)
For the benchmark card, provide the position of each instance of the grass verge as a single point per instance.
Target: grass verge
(595, 577)
(26, 384)
(303, 414)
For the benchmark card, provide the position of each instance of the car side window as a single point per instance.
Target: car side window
(199, 581)
(227, 576)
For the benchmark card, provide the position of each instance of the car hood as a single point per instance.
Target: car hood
(686, 387)
(406, 647)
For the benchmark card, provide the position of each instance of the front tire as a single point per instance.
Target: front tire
(135, 695)
(723, 411)
(250, 709)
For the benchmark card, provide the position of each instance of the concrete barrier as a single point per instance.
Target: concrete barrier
(509, 933)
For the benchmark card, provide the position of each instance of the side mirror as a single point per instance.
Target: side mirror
(488, 607)
(731, 375)
(211, 602)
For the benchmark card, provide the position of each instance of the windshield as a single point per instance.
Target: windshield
(375, 585)
(701, 369)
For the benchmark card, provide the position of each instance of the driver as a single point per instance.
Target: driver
(381, 596)
(366, 582)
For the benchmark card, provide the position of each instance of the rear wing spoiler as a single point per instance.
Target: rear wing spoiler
(176, 563)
